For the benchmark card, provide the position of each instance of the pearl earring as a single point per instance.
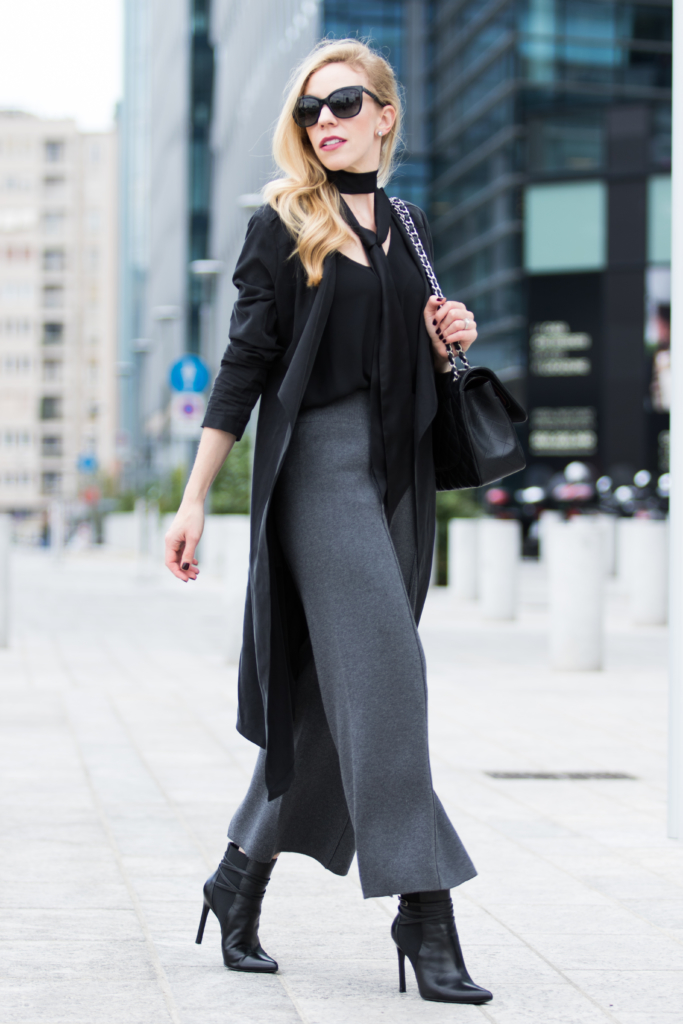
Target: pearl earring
(379, 132)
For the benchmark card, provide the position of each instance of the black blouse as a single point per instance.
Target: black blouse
(345, 357)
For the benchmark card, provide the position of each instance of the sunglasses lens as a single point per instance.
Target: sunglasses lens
(346, 102)
(306, 111)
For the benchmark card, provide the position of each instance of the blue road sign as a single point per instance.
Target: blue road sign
(87, 464)
(189, 374)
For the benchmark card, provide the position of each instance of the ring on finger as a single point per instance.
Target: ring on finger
(467, 325)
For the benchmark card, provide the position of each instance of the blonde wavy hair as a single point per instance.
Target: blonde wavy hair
(308, 204)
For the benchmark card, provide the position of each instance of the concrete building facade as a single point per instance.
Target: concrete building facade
(58, 229)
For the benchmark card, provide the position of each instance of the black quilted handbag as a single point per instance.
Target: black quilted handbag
(473, 436)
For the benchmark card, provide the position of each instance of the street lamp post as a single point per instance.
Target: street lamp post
(208, 271)
(166, 316)
(676, 440)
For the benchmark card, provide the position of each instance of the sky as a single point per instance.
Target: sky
(62, 58)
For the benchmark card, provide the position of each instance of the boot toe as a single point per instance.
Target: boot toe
(479, 994)
(468, 993)
(255, 961)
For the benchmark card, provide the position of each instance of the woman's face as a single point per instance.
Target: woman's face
(350, 143)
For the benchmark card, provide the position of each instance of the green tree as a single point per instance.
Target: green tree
(231, 490)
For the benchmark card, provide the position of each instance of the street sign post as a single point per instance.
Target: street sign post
(189, 373)
(187, 413)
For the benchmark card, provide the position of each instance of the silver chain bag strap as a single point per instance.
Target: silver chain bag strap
(473, 437)
(409, 224)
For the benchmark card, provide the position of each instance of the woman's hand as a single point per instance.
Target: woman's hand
(187, 527)
(182, 540)
(448, 322)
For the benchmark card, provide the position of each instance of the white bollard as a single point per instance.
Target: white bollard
(608, 526)
(214, 546)
(142, 538)
(649, 572)
(153, 526)
(5, 539)
(57, 527)
(545, 522)
(237, 541)
(575, 589)
(500, 542)
(462, 558)
(623, 553)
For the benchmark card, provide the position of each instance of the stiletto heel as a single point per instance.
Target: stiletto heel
(424, 931)
(202, 921)
(235, 892)
(401, 970)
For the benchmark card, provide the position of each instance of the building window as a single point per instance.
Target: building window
(566, 144)
(54, 151)
(54, 260)
(50, 408)
(12, 439)
(53, 334)
(10, 328)
(17, 218)
(17, 479)
(659, 219)
(53, 296)
(16, 291)
(52, 369)
(53, 222)
(51, 483)
(92, 221)
(54, 186)
(16, 365)
(51, 446)
(17, 184)
(565, 227)
(17, 254)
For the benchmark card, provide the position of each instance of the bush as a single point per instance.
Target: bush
(231, 490)
(170, 493)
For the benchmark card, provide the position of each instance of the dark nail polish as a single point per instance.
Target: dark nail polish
(185, 566)
(434, 323)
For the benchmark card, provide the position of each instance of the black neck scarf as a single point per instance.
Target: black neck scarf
(391, 444)
(352, 184)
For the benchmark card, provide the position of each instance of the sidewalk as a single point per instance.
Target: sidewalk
(121, 767)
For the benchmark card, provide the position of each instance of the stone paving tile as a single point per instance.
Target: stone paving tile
(82, 1000)
(120, 768)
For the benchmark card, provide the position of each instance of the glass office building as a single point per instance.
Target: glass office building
(399, 29)
(550, 140)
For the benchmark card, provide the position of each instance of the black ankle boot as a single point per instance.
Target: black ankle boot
(424, 931)
(235, 892)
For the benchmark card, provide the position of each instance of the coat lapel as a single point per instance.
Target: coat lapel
(425, 390)
(293, 386)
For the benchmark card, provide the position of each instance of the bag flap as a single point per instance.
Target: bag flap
(482, 373)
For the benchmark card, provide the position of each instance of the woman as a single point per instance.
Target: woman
(336, 331)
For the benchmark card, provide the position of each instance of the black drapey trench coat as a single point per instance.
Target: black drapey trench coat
(275, 330)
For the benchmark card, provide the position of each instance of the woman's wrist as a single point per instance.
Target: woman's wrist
(193, 500)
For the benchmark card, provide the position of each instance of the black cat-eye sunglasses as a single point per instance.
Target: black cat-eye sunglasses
(343, 103)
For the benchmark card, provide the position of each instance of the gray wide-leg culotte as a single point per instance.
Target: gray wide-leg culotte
(362, 775)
